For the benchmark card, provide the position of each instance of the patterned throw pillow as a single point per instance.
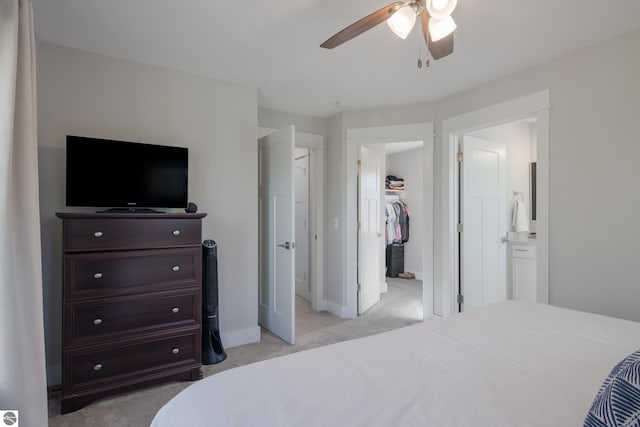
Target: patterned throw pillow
(618, 400)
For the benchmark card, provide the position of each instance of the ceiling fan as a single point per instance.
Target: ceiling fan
(436, 23)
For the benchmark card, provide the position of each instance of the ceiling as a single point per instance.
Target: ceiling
(400, 147)
(274, 45)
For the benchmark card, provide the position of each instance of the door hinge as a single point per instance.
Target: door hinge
(459, 227)
(460, 156)
(359, 287)
(460, 299)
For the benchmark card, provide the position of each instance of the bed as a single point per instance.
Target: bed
(504, 364)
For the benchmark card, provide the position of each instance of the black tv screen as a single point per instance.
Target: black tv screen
(119, 174)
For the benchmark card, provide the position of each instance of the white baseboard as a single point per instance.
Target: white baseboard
(338, 310)
(240, 337)
(384, 287)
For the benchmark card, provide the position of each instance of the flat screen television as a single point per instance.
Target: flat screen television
(126, 176)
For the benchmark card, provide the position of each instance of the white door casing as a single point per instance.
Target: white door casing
(276, 298)
(301, 178)
(483, 251)
(446, 278)
(369, 232)
(382, 135)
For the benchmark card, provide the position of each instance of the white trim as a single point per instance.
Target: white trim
(533, 105)
(316, 143)
(384, 287)
(336, 309)
(386, 134)
(240, 337)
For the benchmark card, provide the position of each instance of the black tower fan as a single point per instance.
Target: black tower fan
(212, 350)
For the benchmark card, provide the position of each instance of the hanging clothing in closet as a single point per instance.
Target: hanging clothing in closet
(397, 223)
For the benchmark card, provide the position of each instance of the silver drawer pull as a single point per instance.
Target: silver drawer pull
(176, 232)
(521, 250)
(175, 310)
(175, 350)
(97, 234)
(97, 366)
(97, 276)
(97, 321)
(175, 268)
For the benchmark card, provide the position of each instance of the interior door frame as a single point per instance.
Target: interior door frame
(317, 144)
(533, 105)
(305, 234)
(382, 135)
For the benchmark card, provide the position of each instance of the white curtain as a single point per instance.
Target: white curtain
(22, 359)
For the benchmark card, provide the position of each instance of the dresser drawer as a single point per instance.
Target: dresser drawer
(523, 251)
(98, 234)
(90, 275)
(120, 316)
(121, 362)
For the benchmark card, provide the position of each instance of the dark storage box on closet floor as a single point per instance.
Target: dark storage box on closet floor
(395, 260)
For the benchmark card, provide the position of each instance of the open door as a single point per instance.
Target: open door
(369, 230)
(483, 219)
(276, 295)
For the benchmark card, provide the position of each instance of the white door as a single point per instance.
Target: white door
(276, 299)
(369, 230)
(301, 178)
(483, 218)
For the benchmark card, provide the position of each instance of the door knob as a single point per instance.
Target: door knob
(287, 245)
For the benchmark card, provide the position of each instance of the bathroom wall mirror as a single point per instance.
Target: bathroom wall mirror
(532, 192)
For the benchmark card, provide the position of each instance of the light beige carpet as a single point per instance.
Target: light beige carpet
(401, 306)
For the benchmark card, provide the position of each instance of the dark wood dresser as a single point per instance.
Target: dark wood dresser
(131, 302)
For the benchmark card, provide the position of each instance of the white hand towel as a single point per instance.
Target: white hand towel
(520, 220)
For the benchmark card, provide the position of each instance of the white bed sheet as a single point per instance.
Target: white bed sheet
(505, 364)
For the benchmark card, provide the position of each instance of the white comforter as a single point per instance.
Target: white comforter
(506, 364)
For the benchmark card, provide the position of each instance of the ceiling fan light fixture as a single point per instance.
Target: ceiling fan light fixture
(441, 9)
(402, 22)
(441, 28)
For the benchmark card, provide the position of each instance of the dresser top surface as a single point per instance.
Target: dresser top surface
(129, 215)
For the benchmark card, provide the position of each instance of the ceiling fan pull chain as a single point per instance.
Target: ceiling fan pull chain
(419, 49)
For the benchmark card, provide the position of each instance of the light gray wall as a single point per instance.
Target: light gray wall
(334, 291)
(85, 94)
(278, 119)
(592, 172)
(408, 165)
(594, 128)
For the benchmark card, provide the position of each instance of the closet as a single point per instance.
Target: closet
(396, 225)
(403, 212)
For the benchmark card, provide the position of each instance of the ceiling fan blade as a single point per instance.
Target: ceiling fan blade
(442, 47)
(359, 27)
